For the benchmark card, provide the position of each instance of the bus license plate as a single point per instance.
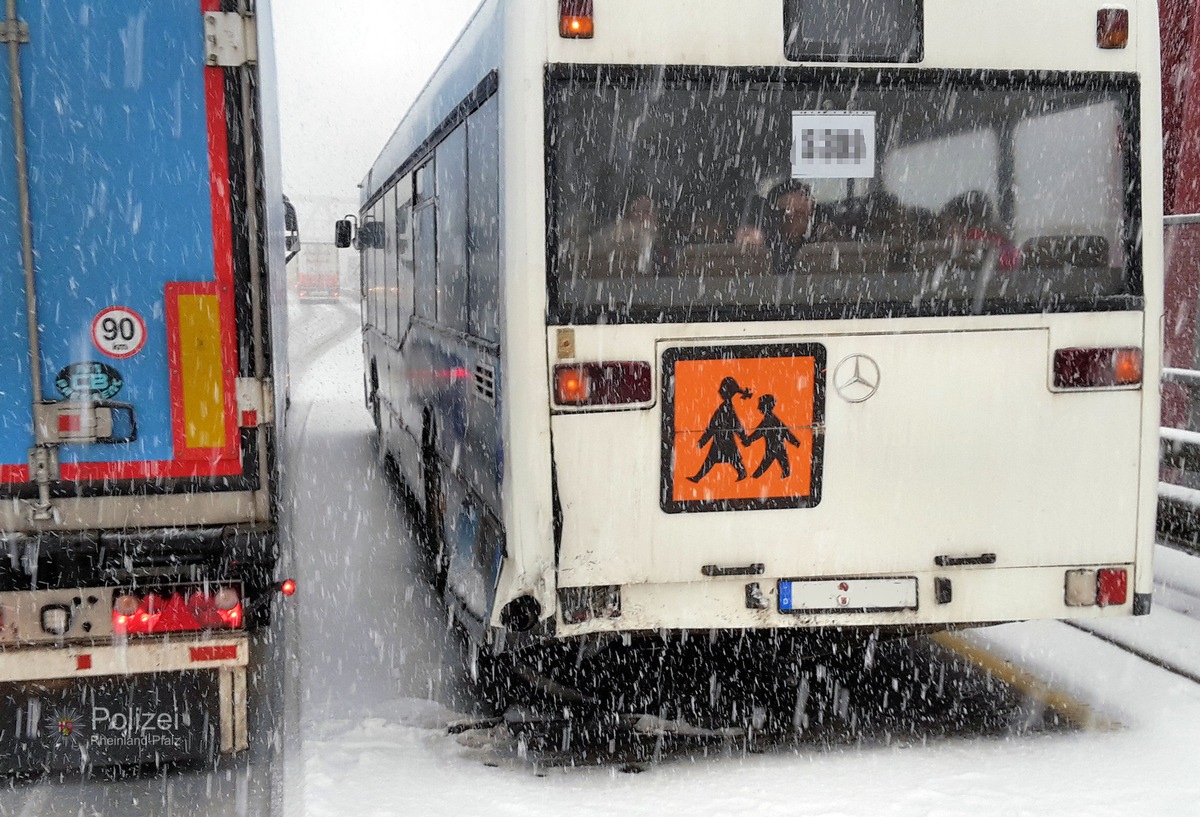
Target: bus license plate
(847, 595)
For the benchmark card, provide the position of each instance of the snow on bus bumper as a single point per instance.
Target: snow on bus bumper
(157, 660)
(947, 597)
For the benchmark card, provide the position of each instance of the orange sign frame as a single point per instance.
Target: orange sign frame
(743, 427)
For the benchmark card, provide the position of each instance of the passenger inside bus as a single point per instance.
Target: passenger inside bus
(972, 216)
(633, 243)
(783, 221)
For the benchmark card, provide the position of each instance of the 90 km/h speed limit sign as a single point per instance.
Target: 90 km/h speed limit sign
(119, 332)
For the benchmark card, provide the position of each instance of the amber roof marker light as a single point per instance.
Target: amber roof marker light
(1112, 28)
(576, 19)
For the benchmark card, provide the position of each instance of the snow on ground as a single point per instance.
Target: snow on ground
(382, 680)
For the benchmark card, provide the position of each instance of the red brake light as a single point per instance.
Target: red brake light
(602, 384)
(1112, 586)
(182, 610)
(1097, 368)
(1112, 28)
(288, 587)
(576, 20)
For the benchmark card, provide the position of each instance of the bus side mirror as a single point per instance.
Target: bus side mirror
(343, 233)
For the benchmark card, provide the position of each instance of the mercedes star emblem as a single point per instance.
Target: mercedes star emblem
(856, 379)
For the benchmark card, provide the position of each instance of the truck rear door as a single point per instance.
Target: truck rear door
(131, 153)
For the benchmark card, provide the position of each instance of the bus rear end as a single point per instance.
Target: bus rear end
(852, 325)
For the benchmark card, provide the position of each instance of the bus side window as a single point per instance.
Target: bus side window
(390, 284)
(425, 246)
(404, 254)
(451, 192)
(483, 223)
(371, 269)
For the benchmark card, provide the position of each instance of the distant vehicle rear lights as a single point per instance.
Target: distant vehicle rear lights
(1112, 28)
(177, 609)
(602, 384)
(576, 19)
(1097, 368)
(580, 604)
(1106, 587)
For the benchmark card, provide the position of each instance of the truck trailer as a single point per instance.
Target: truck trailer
(142, 216)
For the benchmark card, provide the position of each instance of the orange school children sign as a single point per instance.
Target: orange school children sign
(742, 427)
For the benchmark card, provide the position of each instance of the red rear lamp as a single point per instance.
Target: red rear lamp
(1112, 28)
(176, 610)
(288, 587)
(602, 384)
(576, 20)
(1097, 368)
(1112, 586)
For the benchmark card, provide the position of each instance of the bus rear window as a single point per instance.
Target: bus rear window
(717, 194)
(853, 30)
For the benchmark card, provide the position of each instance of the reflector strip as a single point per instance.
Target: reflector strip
(222, 653)
(201, 371)
(83, 662)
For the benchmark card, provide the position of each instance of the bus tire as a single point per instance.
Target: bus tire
(376, 414)
(433, 528)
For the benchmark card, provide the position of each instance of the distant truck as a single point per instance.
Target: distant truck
(140, 202)
(317, 276)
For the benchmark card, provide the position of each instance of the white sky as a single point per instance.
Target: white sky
(347, 73)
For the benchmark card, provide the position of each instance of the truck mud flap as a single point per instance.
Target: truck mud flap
(139, 720)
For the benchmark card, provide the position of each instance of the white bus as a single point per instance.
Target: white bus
(775, 314)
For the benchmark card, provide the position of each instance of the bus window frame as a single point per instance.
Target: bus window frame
(1126, 85)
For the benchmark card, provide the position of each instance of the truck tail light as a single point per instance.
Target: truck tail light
(602, 384)
(173, 610)
(576, 19)
(1097, 368)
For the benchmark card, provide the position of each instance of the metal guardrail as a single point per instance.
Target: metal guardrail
(1179, 505)
(1187, 377)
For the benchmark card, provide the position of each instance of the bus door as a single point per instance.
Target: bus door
(128, 272)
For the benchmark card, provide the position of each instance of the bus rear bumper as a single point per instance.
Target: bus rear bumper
(948, 598)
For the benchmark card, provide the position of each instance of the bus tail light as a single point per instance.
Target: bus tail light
(576, 19)
(173, 610)
(1112, 586)
(580, 604)
(1112, 28)
(602, 384)
(1108, 586)
(1097, 368)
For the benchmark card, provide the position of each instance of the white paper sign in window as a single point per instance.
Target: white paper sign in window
(833, 144)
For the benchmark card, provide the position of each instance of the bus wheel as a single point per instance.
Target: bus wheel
(375, 411)
(435, 516)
